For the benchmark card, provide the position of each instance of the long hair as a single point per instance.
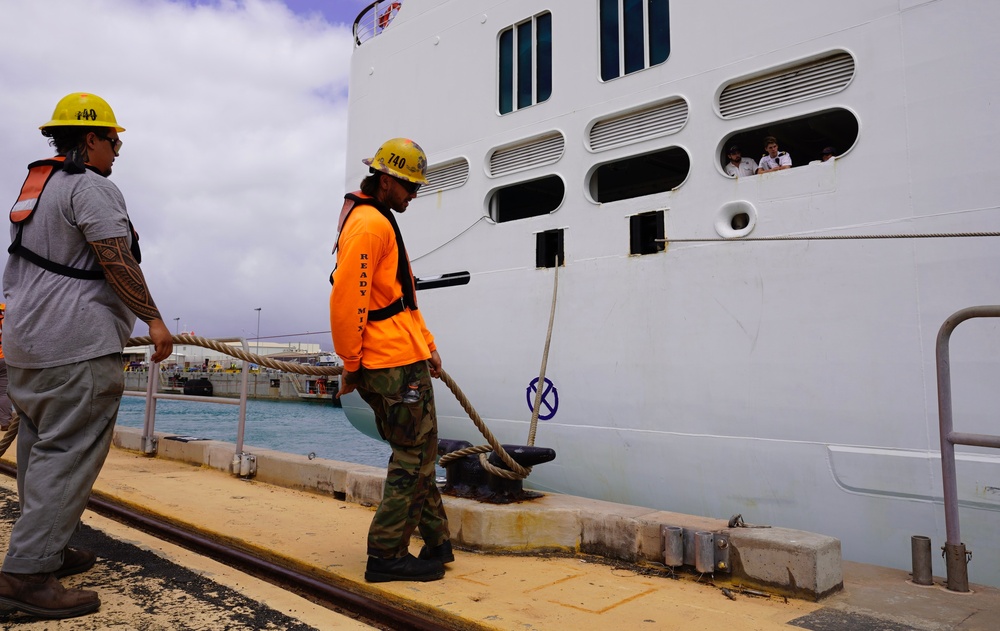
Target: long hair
(369, 185)
(69, 141)
(64, 139)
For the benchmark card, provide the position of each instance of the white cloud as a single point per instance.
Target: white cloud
(233, 156)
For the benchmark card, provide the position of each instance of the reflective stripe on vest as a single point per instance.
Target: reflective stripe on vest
(39, 174)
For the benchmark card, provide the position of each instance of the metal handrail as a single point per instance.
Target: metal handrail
(371, 21)
(244, 464)
(956, 556)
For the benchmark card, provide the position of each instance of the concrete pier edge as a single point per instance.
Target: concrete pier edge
(788, 562)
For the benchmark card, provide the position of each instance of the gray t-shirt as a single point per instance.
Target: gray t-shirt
(51, 319)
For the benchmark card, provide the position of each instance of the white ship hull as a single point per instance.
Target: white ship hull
(791, 381)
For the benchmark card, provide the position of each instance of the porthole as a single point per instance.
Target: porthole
(804, 138)
(527, 199)
(637, 176)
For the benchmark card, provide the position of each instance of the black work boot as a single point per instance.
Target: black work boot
(43, 596)
(442, 552)
(408, 568)
(75, 561)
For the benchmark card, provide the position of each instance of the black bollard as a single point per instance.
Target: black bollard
(463, 477)
(504, 491)
(466, 476)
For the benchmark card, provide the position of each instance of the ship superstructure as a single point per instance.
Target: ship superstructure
(695, 367)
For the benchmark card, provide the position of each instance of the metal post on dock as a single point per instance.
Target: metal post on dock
(244, 464)
(704, 551)
(920, 550)
(673, 546)
(956, 555)
(149, 420)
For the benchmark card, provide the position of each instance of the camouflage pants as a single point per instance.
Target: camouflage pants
(411, 500)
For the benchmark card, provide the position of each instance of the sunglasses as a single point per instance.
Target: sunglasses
(116, 143)
(409, 187)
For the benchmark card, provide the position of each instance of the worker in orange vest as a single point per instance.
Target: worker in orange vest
(389, 357)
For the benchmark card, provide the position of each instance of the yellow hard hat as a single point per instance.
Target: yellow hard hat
(84, 110)
(402, 158)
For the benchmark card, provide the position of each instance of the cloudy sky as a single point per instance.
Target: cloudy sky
(233, 158)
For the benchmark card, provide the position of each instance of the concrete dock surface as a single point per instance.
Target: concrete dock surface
(326, 537)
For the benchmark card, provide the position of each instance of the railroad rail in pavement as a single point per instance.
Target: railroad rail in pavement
(366, 611)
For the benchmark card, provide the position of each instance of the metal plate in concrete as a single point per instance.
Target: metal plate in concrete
(598, 596)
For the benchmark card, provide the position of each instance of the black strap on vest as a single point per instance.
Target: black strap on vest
(403, 275)
(18, 249)
(397, 306)
(58, 268)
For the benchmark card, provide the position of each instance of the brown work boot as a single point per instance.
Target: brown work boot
(43, 596)
(75, 561)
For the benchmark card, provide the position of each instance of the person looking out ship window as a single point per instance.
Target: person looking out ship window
(773, 160)
(827, 154)
(738, 166)
(389, 357)
(67, 321)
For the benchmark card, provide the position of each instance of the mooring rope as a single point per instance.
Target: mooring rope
(838, 237)
(539, 390)
(517, 471)
(239, 353)
(302, 369)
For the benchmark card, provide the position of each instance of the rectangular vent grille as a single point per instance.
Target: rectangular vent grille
(821, 77)
(545, 150)
(445, 176)
(662, 120)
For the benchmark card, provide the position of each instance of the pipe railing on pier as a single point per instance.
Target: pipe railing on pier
(244, 464)
(514, 471)
(956, 556)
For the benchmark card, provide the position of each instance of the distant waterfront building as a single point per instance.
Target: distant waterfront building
(191, 357)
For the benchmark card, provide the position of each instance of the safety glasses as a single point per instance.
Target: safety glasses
(116, 143)
(409, 187)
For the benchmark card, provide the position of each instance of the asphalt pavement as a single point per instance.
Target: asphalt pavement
(145, 584)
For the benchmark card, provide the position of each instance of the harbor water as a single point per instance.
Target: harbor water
(295, 427)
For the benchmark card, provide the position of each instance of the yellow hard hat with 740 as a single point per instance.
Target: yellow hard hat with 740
(402, 158)
(84, 110)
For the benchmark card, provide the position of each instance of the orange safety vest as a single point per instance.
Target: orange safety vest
(39, 174)
(401, 338)
(403, 272)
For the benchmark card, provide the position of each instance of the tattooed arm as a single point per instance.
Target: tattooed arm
(125, 277)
